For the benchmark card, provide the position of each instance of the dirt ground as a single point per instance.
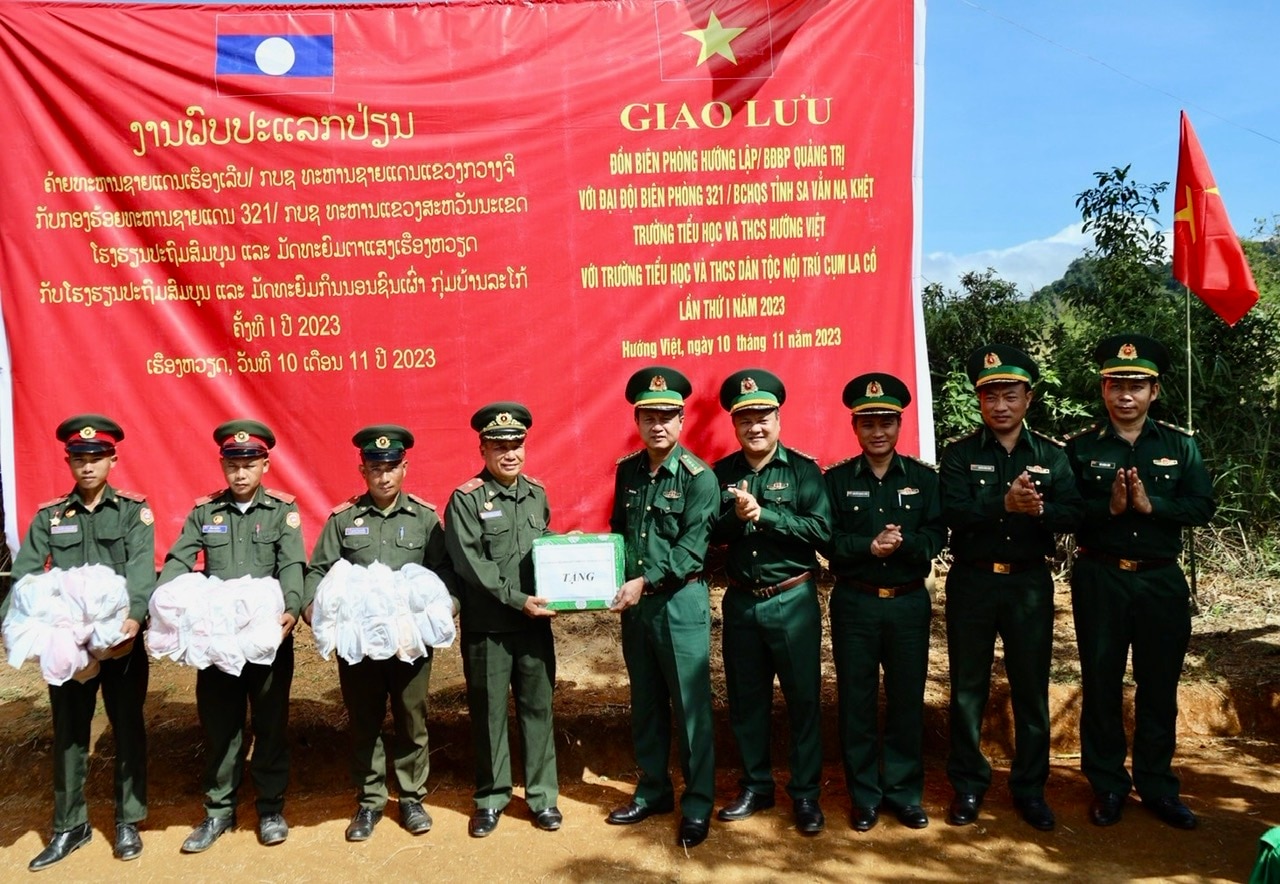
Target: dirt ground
(1229, 746)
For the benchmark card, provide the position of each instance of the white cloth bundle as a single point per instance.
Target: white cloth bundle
(378, 613)
(62, 617)
(205, 621)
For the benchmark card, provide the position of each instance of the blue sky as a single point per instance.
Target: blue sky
(1026, 99)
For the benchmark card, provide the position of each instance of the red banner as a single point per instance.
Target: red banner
(325, 217)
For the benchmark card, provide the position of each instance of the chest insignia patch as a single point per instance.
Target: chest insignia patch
(293, 520)
(982, 468)
(905, 491)
(1036, 468)
(217, 520)
(1165, 462)
(777, 486)
(671, 495)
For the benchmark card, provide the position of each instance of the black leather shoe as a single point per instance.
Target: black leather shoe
(1171, 811)
(634, 813)
(1106, 808)
(548, 819)
(692, 832)
(61, 847)
(744, 805)
(864, 819)
(209, 831)
(483, 821)
(128, 845)
(1036, 812)
(809, 818)
(272, 829)
(414, 818)
(361, 825)
(912, 816)
(964, 809)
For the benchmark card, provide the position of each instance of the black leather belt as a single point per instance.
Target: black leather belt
(882, 592)
(768, 592)
(1006, 567)
(1124, 564)
(659, 590)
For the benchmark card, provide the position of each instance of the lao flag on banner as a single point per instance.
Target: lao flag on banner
(721, 40)
(274, 54)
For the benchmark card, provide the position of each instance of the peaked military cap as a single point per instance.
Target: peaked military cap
(1131, 356)
(1001, 364)
(752, 388)
(502, 420)
(89, 434)
(658, 387)
(244, 438)
(383, 442)
(876, 393)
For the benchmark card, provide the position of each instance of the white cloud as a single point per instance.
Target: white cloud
(1030, 265)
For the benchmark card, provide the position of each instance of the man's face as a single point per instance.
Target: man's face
(1129, 399)
(877, 433)
(90, 471)
(383, 479)
(1004, 406)
(659, 428)
(244, 475)
(757, 430)
(503, 458)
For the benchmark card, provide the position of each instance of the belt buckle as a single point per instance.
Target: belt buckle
(885, 592)
(1000, 567)
(763, 592)
(1128, 564)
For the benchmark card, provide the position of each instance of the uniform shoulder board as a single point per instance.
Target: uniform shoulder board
(416, 499)
(629, 456)
(57, 501)
(132, 495)
(1084, 431)
(1177, 429)
(691, 463)
(533, 481)
(923, 463)
(960, 436)
(210, 497)
(839, 463)
(470, 485)
(1052, 440)
(345, 505)
(806, 455)
(283, 496)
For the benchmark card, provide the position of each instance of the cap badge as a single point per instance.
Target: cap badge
(658, 383)
(1128, 351)
(88, 433)
(991, 360)
(382, 442)
(502, 419)
(874, 389)
(217, 520)
(749, 385)
(242, 437)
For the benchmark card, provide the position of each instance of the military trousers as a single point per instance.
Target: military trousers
(1150, 612)
(124, 690)
(762, 638)
(1019, 609)
(869, 634)
(367, 687)
(524, 664)
(222, 700)
(666, 643)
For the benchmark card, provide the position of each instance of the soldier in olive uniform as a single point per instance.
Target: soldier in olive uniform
(395, 528)
(664, 503)
(774, 514)
(244, 530)
(96, 524)
(1143, 482)
(888, 528)
(1005, 491)
(507, 645)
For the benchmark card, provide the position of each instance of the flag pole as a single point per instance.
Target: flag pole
(1191, 531)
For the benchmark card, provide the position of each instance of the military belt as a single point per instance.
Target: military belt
(1124, 564)
(882, 592)
(768, 592)
(1006, 567)
(661, 589)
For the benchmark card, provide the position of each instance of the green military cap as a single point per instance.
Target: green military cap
(1131, 356)
(244, 438)
(752, 388)
(658, 387)
(502, 420)
(1001, 364)
(384, 442)
(89, 434)
(876, 393)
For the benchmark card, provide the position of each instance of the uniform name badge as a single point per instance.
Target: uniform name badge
(578, 572)
(64, 529)
(214, 529)
(490, 514)
(363, 529)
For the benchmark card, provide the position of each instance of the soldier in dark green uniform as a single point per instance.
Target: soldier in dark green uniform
(395, 528)
(664, 502)
(96, 524)
(507, 645)
(244, 530)
(1005, 491)
(774, 514)
(888, 528)
(1143, 482)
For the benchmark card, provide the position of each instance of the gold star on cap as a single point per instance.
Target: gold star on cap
(88, 433)
(242, 436)
(658, 383)
(1128, 351)
(382, 442)
(991, 360)
(749, 385)
(874, 389)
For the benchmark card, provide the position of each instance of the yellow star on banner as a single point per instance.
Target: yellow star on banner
(1187, 213)
(715, 39)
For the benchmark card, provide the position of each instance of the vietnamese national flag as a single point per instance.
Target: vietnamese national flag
(274, 54)
(1207, 256)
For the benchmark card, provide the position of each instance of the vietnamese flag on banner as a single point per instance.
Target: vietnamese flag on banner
(1207, 256)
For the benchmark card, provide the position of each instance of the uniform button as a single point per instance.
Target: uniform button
(754, 553)
(982, 481)
(643, 534)
(639, 561)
